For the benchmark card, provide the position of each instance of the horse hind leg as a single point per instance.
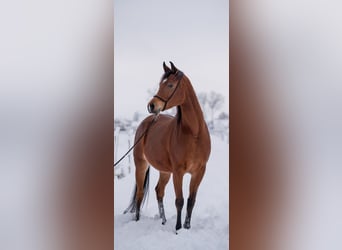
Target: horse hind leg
(195, 181)
(160, 191)
(142, 183)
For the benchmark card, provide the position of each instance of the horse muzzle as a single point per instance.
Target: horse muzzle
(154, 106)
(150, 108)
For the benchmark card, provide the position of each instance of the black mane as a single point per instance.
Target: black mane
(179, 114)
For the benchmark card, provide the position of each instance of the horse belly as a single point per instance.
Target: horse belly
(156, 154)
(158, 162)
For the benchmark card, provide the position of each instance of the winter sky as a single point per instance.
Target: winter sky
(192, 34)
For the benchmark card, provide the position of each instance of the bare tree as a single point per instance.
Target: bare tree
(223, 116)
(215, 101)
(203, 100)
(136, 116)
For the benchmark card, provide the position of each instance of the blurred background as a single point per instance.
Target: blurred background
(56, 125)
(285, 124)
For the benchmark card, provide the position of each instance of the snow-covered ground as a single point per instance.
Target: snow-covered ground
(209, 225)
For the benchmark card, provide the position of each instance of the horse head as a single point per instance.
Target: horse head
(170, 92)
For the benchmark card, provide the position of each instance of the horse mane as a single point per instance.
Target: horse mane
(166, 75)
(179, 114)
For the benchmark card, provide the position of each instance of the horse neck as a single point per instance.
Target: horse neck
(189, 113)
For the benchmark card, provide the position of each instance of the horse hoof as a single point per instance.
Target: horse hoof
(163, 222)
(186, 226)
(178, 227)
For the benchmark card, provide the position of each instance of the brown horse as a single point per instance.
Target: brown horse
(173, 145)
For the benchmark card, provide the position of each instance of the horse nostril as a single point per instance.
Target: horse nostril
(151, 107)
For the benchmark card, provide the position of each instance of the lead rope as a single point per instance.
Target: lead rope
(137, 141)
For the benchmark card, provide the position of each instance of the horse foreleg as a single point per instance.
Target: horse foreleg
(178, 185)
(160, 191)
(195, 181)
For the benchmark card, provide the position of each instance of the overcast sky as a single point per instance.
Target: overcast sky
(193, 34)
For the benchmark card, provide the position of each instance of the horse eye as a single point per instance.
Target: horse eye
(170, 85)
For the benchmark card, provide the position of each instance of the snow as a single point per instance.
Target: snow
(209, 224)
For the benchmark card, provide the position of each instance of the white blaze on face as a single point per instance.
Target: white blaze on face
(165, 80)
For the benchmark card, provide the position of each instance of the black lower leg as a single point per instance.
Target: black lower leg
(189, 207)
(137, 215)
(179, 206)
(161, 210)
(137, 211)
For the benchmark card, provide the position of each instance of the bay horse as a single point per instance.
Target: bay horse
(172, 145)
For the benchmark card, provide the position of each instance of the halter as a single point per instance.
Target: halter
(174, 91)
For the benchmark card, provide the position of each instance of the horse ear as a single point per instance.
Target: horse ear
(166, 68)
(173, 68)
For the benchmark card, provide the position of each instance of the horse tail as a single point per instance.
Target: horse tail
(132, 205)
